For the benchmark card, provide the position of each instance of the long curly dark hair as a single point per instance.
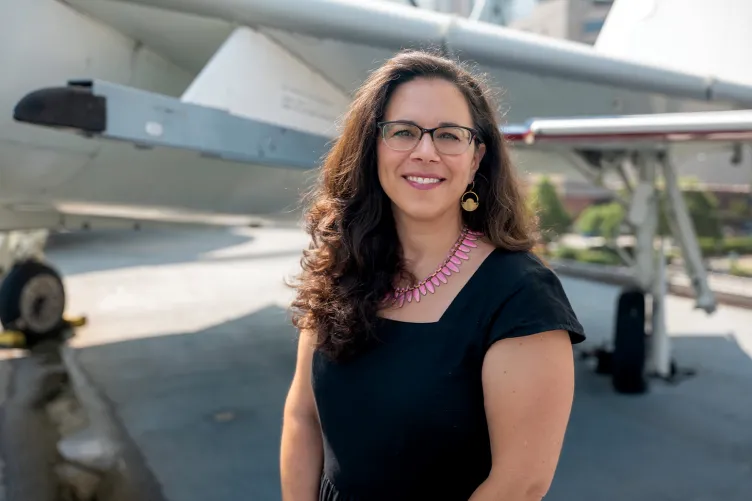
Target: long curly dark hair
(355, 255)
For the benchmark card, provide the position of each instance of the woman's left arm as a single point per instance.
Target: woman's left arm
(528, 386)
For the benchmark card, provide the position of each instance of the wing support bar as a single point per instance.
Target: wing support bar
(684, 232)
(149, 120)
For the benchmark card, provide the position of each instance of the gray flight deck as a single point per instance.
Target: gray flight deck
(188, 341)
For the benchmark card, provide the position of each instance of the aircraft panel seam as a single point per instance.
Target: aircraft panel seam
(137, 44)
(300, 59)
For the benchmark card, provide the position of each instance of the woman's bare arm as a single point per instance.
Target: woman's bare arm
(528, 386)
(301, 451)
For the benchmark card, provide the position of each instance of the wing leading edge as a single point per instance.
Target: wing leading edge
(150, 120)
(392, 26)
(664, 128)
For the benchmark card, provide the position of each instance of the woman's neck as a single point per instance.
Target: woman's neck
(425, 244)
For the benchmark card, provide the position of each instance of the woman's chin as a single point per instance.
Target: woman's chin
(423, 212)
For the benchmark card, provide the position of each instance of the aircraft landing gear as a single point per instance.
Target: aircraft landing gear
(636, 356)
(628, 358)
(32, 300)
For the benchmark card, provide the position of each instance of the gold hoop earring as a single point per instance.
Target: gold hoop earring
(467, 202)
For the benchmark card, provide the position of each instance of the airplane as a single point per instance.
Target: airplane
(129, 112)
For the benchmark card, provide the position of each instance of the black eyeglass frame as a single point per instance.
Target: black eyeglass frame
(474, 134)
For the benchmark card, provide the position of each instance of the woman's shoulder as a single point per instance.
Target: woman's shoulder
(515, 267)
(524, 296)
(501, 275)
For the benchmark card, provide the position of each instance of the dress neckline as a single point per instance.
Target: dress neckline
(454, 304)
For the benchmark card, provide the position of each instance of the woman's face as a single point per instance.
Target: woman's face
(425, 180)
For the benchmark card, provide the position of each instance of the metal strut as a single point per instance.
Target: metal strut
(684, 232)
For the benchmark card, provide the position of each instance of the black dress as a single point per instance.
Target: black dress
(405, 419)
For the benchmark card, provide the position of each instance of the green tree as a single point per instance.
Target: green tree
(605, 220)
(703, 210)
(589, 221)
(739, 207)
(612, 218)
(602, 220)
(553, 217)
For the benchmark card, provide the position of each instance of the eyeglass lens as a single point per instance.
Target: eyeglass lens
(447, 140)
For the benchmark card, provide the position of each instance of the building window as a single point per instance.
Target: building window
(592, 26)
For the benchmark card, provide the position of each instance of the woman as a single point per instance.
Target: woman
(435, 357)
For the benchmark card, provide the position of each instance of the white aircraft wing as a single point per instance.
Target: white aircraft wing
(343, 40)
(633, 132)
(230, 103)
(147, 120)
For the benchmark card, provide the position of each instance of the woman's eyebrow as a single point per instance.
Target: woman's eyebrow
(441, 124)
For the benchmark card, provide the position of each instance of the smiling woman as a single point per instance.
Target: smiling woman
(435, 357)
(441, 161)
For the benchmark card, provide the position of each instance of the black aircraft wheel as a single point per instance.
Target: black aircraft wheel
(32, 300)
(628, 359)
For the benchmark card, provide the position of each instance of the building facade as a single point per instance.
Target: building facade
(576, 20)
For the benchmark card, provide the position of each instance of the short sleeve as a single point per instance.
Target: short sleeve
(537, 303)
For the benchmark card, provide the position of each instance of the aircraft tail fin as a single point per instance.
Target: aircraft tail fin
(696, 36)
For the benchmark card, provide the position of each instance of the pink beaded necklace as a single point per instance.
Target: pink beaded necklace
(459, 252)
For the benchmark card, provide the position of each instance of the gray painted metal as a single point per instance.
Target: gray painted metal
(149, 119)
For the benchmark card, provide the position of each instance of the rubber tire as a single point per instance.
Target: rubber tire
(11, 290)
(630, 343)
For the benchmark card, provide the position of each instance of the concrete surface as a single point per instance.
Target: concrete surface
(27, 441)
(189, 342)
(728, 289)
(4, 384)
(6, 372)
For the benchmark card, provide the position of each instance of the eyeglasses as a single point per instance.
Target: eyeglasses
(448, 140)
